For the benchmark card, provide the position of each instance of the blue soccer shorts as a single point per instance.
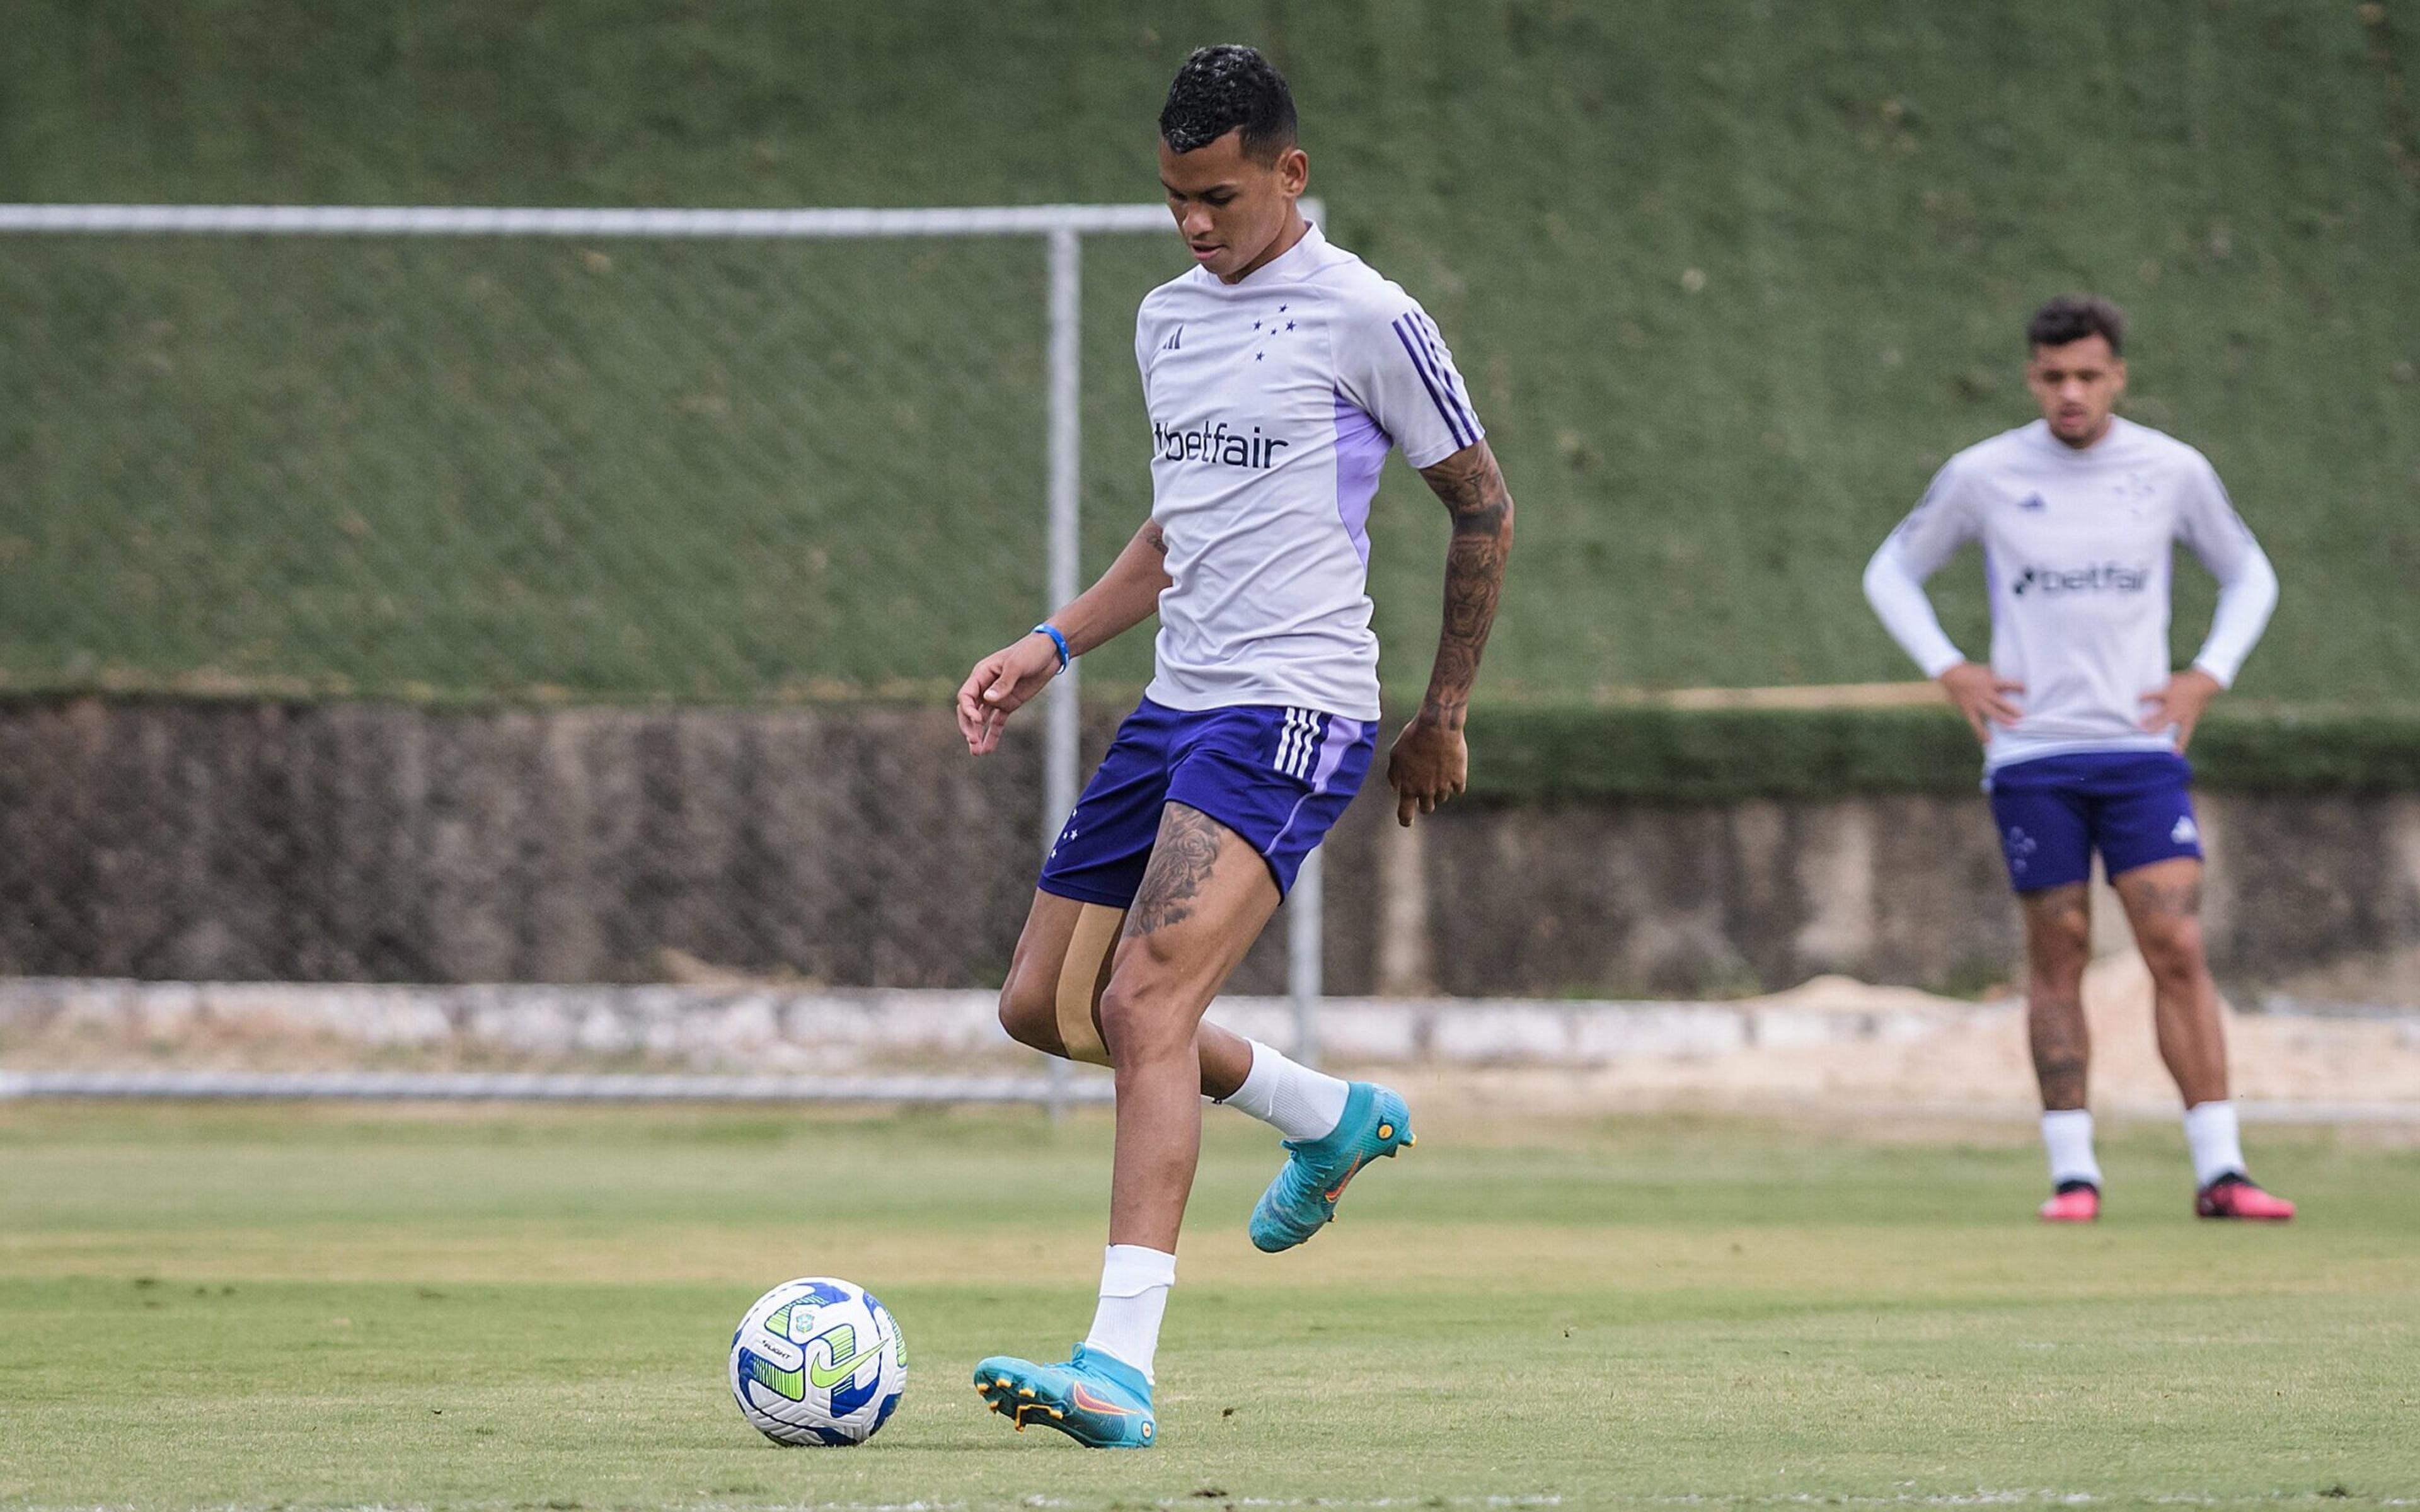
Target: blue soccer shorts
(2054, 811)
(1278, 777)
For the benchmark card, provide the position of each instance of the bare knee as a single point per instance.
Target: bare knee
(2173, 951)
(1028, 1009)
(2058, 943)
(1142, 1020)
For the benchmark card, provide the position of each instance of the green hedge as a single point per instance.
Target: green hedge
(1662, 754)
(1656, 753)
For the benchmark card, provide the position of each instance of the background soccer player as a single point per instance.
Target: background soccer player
(2084, 730)
(1278, 373)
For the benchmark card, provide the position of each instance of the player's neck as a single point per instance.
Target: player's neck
(1283, 243)
(2108, 425)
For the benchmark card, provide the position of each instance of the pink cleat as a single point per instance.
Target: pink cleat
(2076, 1202)
(2233, 1196)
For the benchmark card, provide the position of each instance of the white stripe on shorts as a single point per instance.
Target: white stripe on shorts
(1298, 740)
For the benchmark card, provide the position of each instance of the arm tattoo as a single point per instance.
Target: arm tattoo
(1472, 489)
(1180, 860)
(1156, 538)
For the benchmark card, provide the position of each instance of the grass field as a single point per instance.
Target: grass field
(527, 1309)
(1728, 279)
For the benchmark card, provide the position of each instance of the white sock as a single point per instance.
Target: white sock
(1300, 1102)
(2067, 1135)
(1134, 1296)
(2211, 1136)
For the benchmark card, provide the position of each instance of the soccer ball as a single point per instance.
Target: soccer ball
(817, 1360)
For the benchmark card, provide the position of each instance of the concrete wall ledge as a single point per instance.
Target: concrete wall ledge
(771, 1029)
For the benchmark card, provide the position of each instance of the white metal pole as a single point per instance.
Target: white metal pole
(1304, 930)
(1066, 463)
(1062, 709)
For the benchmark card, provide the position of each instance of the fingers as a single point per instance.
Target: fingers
(1001, 697)
(2156, 712)
(1420, 797)
(1013, 689)
(994, 690)
(1426, 768)
(1985, 710)
(971, 710)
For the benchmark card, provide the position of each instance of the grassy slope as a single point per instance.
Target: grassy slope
(297, 1307)
(721, 474)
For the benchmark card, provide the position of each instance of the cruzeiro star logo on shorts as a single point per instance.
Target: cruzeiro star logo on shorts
(2021, 845)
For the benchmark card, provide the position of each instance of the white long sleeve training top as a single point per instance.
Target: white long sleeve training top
(2077, 551)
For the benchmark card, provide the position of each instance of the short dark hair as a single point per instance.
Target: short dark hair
(1229, 87)
(2075, 317)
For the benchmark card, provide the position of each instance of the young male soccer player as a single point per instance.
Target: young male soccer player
(1278, 372)
(2083, 727)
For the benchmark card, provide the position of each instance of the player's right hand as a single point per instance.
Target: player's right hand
(1982, 696)
(999, 683)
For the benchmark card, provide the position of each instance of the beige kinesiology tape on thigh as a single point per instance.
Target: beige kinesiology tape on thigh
(1081, 976)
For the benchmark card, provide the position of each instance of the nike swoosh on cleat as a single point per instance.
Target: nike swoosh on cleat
(1091, 1403)
(1341, 1181)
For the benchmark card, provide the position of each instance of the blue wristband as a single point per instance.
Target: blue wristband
(1045, 627)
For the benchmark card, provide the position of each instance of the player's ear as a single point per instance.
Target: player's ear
(1293, 171)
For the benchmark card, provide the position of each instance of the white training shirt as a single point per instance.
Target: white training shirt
(2076, 556)
(1273, 404)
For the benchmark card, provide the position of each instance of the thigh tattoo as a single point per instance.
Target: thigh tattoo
(2172, 899)
(1181, 862)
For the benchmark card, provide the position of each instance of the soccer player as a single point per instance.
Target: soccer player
(1278, 371)
(2083, 728)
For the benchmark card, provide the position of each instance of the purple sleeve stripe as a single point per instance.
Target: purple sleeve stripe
(1419, 365)
(1445, 371)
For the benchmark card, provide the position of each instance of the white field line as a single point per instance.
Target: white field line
(2044, 1497)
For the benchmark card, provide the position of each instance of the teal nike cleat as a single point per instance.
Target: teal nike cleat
(1303, 1197)
(1098, 1400)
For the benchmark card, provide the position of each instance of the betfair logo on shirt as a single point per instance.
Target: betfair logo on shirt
(2100, 578)
(1217, 444)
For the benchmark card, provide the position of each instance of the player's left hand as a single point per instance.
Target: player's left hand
(2180, 704)
(1428, 765)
